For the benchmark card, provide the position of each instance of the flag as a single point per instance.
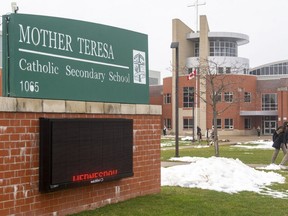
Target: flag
(191, 75)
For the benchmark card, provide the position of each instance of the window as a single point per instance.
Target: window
(167, 123)
(228, 124)
(220, 70)
(196, 49)
(188, 123)
(167, 98)
(228, 70)
(269, 102)
(247, 97)
(219, 123)
(188, 96)
(223, 48)
(190, 70)
(247, 123)
(218, 97)
(274, 69)
(228, 97)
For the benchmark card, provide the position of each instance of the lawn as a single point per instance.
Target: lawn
(192, 201)
(176, 201)
(248, 156)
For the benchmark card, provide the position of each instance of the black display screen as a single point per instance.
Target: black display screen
(76, 152)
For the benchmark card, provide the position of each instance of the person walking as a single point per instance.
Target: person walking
(285, 141)
(258, 131)
(199, 134)
(278, 142)
(164, 130)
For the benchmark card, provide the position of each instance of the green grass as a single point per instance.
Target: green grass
(176, 201)
(248, 156)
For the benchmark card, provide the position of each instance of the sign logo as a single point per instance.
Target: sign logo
(139, 67)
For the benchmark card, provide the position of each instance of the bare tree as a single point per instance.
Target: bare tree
(214, 82)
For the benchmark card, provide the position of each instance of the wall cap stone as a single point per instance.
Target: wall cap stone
(54, 106)
(94, 107)
(128, 109)
(76, 106)
(29, 105)
(9, 104)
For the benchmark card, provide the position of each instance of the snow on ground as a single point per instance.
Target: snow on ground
(257, 144)
(223, 175)
(171, 143)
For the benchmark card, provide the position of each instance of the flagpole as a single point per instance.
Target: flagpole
(192, 75)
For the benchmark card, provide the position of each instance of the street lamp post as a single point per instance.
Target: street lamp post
(193, 117)
(175, 45)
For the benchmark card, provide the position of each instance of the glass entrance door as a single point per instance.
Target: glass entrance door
(269, 127)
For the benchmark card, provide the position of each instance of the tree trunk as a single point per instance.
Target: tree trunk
(216, 144)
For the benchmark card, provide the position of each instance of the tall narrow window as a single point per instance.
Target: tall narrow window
(196, 49)
(218, 97)
(247, 123)
(228, 97)
(167, 123)
(188, 123)
(269, 102)
(247, 97)
(228, 70)
(229, 124)
(219, 123)
(167, 98)
(188, 96)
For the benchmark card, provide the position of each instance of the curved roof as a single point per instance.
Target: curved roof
(269, 64)
(241, 39)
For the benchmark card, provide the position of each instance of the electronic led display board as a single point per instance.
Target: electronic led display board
(75, 152)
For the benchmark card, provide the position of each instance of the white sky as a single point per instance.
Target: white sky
(264, 21)
(225, 175)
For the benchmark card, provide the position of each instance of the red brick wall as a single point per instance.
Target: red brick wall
(167, 89)
(19, 167)
(242, 84)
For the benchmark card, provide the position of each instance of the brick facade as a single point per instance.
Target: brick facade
(235, 110)
(19, 156)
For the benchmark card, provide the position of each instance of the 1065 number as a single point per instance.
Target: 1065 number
(29, 86)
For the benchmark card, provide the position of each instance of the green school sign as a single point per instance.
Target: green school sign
(55, 58)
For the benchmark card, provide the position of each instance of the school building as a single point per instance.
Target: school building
(261, 92)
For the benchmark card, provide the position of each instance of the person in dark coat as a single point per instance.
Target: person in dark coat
(278, 142)
(285, 141)
(199, 133)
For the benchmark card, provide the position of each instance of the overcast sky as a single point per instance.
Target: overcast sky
(264, 21)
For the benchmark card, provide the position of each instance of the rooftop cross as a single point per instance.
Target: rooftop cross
(196, 5)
